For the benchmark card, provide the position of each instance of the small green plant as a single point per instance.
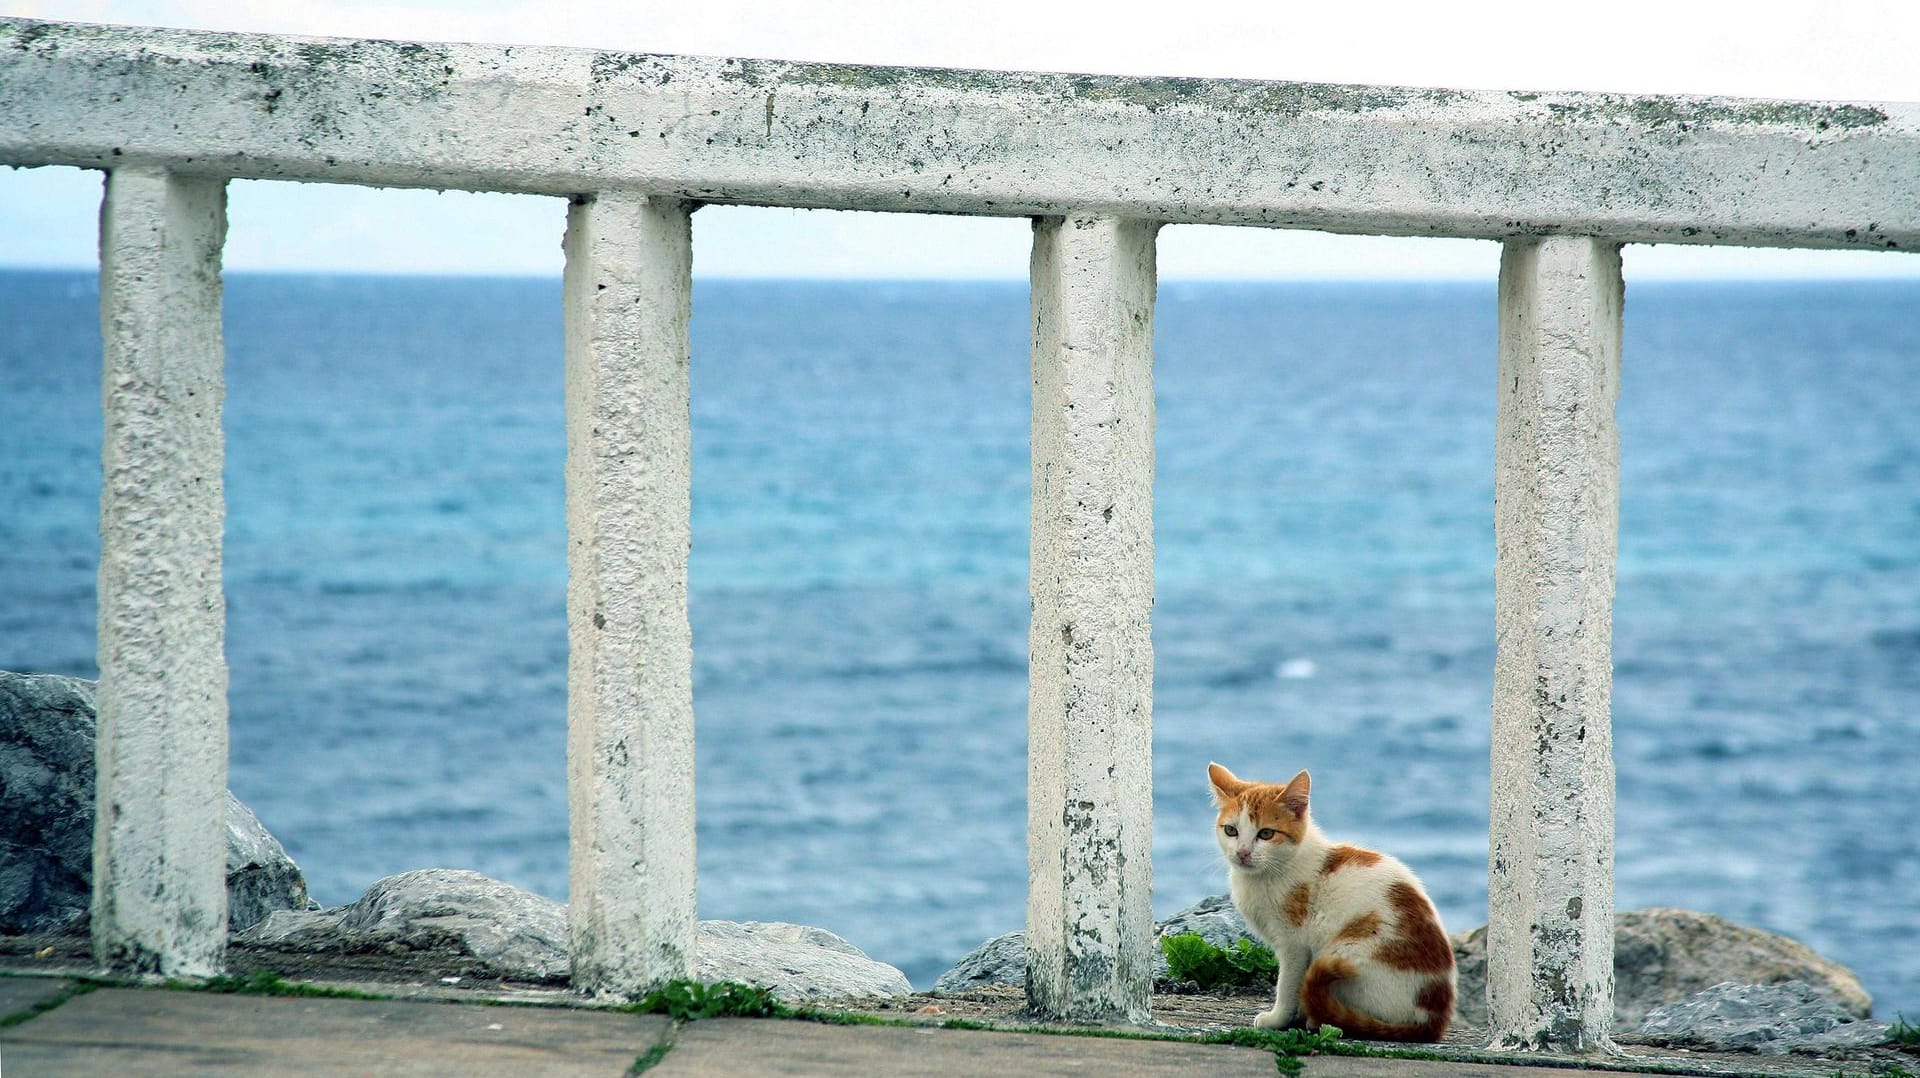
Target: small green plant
(842, 1018)
(650, 1058)
(687, 1001)
(1903, 1031)
(1191, 958)
(1288, 1045)
(966, 1023)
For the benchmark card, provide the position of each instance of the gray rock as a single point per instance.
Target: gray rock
(1660, 956)
(261, 878)
(799, 963)
(1663, 956)
(1000, 960)
(1774, 1018)
(1003, 959)
(46, 802)
(47, 727)
(1470, 977)
(508, 932)
(1214, 919)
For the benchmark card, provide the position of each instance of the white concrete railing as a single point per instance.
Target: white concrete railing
(637, 142)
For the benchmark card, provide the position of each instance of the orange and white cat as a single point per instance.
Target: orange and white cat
(1357, 940)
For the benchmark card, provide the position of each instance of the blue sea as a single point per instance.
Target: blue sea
(396, 581)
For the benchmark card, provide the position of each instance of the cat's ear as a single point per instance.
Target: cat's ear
(1225, 786)
(1295, 795)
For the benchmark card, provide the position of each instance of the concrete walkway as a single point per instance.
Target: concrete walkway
(123, 1031)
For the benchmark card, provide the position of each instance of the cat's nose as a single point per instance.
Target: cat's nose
(1246, 856)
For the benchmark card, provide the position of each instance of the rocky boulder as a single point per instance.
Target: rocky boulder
(47, 727)
(799, 963)
(499, 930)
(1000, 960)
(1214, 919)
(1773, 1018)
(1663, 956)
(1003, 959)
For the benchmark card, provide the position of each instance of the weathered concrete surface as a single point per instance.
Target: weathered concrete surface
(255, 1035)
(1556, 521)
(628, 300)
(732, 1047)
(1090, 948)
(1350, 1067)
(21, 994)
(159, 854)
(190, 1034)
(1341, 158)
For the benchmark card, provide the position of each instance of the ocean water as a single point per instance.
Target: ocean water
(396, 576)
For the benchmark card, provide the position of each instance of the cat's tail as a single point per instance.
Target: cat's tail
(1324, 1008)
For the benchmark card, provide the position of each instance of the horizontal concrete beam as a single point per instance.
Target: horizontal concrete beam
(1340, 158)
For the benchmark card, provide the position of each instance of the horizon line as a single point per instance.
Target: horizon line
(1654, 277)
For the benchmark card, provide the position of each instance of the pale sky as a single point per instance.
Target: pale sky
(1859, 51)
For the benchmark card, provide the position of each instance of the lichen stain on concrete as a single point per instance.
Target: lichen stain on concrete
(1091, 973)
(639, 67)
(1688, 113)
(30, 38)
(1150, 93)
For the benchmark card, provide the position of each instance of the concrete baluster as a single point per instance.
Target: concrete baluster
(1556, 497)
(159, 843)
(1090, 936)
(628, 296)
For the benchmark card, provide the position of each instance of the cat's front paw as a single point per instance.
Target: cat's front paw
(1273, 1019)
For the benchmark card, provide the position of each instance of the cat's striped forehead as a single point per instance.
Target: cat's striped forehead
(1265, 806)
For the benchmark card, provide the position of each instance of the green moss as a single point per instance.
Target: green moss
(266, 982)
(843, 1018)
(1684, 112)
(1289, 1046)
(78, 988)
(650, 1058)
(1191, 958)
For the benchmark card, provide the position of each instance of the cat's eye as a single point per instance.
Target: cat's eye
(1266, 834)
(1232, 831)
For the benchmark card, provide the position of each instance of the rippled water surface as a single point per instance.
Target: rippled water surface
(396, 575)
